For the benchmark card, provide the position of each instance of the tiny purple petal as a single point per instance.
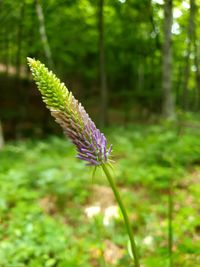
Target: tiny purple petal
(91, 144)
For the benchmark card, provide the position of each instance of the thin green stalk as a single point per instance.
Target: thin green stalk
(124, 213)
(99, 236)
(99, 230)
(170, 226)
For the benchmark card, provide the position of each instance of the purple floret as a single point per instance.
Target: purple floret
(91, 144)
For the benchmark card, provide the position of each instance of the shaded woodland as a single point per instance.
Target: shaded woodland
(135, 67)
(125, 60)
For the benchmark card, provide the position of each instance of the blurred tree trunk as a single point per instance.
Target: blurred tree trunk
(19, 40)
(197, 77)
(19, 91)
(1, 136)
(196, 61)
(168, 98)
(179, 85)
(6, 50)
(141, 75)
(188, 53)
(43, 34)
(103, 81)
(153, 24)
(47, 52)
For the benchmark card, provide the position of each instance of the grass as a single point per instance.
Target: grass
(45, 191)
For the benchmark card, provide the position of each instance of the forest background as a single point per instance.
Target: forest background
(129, 60)
(135, 67)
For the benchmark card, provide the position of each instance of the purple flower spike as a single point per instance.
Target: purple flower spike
(91, 144)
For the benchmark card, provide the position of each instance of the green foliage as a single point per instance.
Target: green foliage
(159, 154)
(45, 190)
(133, 39)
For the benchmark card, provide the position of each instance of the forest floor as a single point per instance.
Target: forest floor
(53, 214)
(106, 206)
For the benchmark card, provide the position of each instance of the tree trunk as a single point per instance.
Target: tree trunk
(196, 60)
(18, 84)
(1, 137)
(19, 41)
(6, 50)
(179, 84)
(103, 81)
(197, 78)
(153, 24)
(168, 98)
(43, 34)
(187, 59)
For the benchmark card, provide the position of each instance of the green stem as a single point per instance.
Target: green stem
(124, 213)
(170, 226)
(99, 236)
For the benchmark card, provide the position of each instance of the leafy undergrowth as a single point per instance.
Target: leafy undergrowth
(53, 214)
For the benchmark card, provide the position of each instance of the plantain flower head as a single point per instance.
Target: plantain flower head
(91, 144)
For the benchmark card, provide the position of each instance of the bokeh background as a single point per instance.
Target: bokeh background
(135, 66)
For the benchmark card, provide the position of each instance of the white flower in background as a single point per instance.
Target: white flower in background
(110, 212)
(148, 240)
(92, 211)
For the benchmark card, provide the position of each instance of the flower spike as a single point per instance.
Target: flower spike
(91, 144)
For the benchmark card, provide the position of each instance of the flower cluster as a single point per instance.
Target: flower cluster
(91, 144)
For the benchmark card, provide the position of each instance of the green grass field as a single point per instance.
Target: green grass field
(53, 214)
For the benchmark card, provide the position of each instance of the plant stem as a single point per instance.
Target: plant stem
(124, 213)
(99, 236)
(170, 226)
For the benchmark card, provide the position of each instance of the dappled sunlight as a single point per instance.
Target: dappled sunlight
(92, 211)
(109, 213)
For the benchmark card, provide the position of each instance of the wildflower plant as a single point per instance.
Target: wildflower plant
(90, 143)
